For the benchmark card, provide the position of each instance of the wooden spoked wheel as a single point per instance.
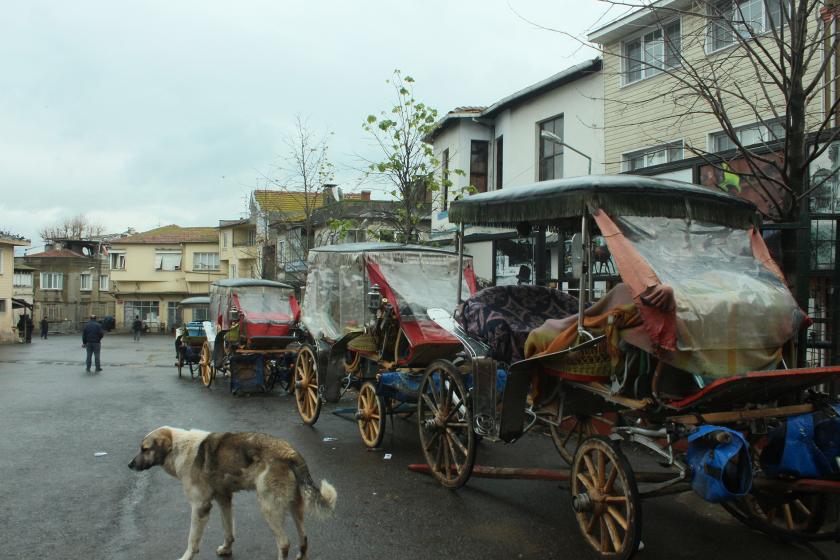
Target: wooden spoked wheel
(572, 430)
(370, 415)
(205, 364)
(306, 386)
(605, 499)
(444, 420)
(793, 515)
(352, 362)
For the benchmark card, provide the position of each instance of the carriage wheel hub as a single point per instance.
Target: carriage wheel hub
(583, 503)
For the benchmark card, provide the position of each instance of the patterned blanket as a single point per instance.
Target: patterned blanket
(504, 316)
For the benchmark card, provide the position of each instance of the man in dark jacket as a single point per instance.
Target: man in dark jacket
(92, 340)
(45, 327)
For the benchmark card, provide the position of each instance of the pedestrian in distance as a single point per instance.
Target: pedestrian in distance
(45, 327)
(137, 327)
(92, 341)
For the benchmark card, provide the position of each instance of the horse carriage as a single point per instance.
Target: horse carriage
(254, 336)
(687, 358)
(190, 336)
(366, 315)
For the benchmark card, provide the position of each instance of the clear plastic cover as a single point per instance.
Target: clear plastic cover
(335, 302)
(264, 303)
(733, 314)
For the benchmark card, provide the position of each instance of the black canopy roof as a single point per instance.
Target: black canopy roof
(376, 247)
(628, 195)
(246, 282)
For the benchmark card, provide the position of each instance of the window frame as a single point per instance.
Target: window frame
(89, 278)
(55, 286)
(160, 257)
(644, 152)
(646, 69)
(444, 168)
(117, 255)
(202, 267)
(765, 24)
(16, 283)
(107, 279)
(767, 125)
(542, 144)
(486, 174)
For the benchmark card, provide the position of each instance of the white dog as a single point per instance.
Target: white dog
(212, 466)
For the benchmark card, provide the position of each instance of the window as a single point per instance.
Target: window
(479, 152)
(656, 155)
(444, 166)
(551, 153)
(84, 282)
(281, 251)
(2, 305)
(224, 240)
(22, 280)
(171, 313)
(757, 133)
(200, 314)
(104, 283)
(233, 271)
(205, 261)
(167, 260)
(744, 17)
(118, 261)
(651, 52)
(252, 237)
(499, 159)
(52, 280)
(148, 311)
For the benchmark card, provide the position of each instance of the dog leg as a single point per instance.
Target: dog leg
(226, 509)
(297, 515)
(198, 520)
(274, 512)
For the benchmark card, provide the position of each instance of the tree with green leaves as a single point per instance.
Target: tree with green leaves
(408, 164)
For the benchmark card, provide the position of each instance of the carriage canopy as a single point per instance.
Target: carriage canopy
(259, 301)
(413, 278)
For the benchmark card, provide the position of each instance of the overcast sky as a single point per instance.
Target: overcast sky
(147, 113)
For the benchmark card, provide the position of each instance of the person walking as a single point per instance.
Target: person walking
(45, 327)
(92, 341)
(137, 327)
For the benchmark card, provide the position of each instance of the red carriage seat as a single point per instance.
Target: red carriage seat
(503, 316)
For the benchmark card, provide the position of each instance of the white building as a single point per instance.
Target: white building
(515, 142)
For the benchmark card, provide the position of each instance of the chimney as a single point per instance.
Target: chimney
(328, 194)
(365, 195)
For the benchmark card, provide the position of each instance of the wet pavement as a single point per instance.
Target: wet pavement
(60, 500)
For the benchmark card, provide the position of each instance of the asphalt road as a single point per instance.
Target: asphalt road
(59, 500)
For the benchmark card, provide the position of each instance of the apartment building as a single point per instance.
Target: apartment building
(239, 253)
(8, 242)
(549, 130)
(152, 271)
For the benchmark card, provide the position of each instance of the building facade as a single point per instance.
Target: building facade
(71, 281)
(549, 130)
(8, 321)
(154, 270)
(239, 254)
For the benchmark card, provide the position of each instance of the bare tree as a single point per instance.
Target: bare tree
(72, 227)
(304, 172)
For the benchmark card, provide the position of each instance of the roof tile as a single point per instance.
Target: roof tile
(173, 234)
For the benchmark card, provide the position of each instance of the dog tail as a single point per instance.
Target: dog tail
(320, 502)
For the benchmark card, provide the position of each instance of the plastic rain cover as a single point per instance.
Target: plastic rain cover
(733, 314)
(264, 304)
(421, 281)
(334, 302)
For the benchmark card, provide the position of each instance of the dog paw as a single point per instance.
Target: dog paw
(224, 550)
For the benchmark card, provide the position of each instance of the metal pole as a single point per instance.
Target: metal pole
(460, 237)
(582, 292)
(539, 257)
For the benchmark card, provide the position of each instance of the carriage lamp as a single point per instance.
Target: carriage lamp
(374, 298)
(233, 315)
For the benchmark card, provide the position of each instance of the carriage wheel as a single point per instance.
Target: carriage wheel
(205, 364)
(790, 516)
(352, 362)
(605, 499)
(572, 430)
(444, 420)
(371, 415)
(306, 386)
